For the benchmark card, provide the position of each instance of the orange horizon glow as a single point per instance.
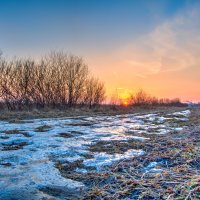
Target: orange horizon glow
(125, 103)
(178, 82)
(182, 84)
(124, 99)
(163, 62)
(126, 44)
(121, 96)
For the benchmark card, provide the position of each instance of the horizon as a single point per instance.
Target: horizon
(149, 44)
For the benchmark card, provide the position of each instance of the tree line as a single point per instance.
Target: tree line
(56, 80)
(141, 98)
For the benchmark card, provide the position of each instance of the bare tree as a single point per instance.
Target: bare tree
(57, 79)
(76, 75)
(68, 77)
(140, 98)
(94, 92)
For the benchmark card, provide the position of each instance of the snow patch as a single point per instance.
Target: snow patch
(33, 166)
(103, 159)
(184, 113)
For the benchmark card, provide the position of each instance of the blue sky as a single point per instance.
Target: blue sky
(130, 44)
(29, 27)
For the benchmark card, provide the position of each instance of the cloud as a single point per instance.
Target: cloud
(173, 45)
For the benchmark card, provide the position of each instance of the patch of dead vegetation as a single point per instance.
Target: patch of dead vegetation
(80, 124)
(76, 132)
(175, 176)
(5, 164)
(69, 166)
(16, 131)
(42, 128)
(69, 134)
(64, 135)
(114, 147)
(68, 170)
(13, 146)
(19, 116)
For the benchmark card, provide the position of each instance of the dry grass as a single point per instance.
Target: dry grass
(176, 175)
(112, 147)
(16, 131)
(14, 146)
(178, 157)
(17, 116)
(42, 128)
(64, 135)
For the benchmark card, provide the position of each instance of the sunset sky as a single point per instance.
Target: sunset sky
(128, 44)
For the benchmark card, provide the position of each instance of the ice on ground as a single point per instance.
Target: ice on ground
(30, 178)
(152, 165)
(81, 170)
(32, 166)
(104, 159)
(163, 131)
(185, 113)
(178, 129)
(152, 168)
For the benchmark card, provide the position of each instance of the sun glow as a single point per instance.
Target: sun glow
(123, 96)
(125, 103)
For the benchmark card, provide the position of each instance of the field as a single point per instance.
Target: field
(142, 154)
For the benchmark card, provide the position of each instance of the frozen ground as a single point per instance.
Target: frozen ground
(31, 149)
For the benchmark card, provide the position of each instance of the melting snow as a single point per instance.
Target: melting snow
(104, 159)
(185, 113)
(33, 165)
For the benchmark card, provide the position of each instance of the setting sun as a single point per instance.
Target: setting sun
(125, 103)
(124, 96)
